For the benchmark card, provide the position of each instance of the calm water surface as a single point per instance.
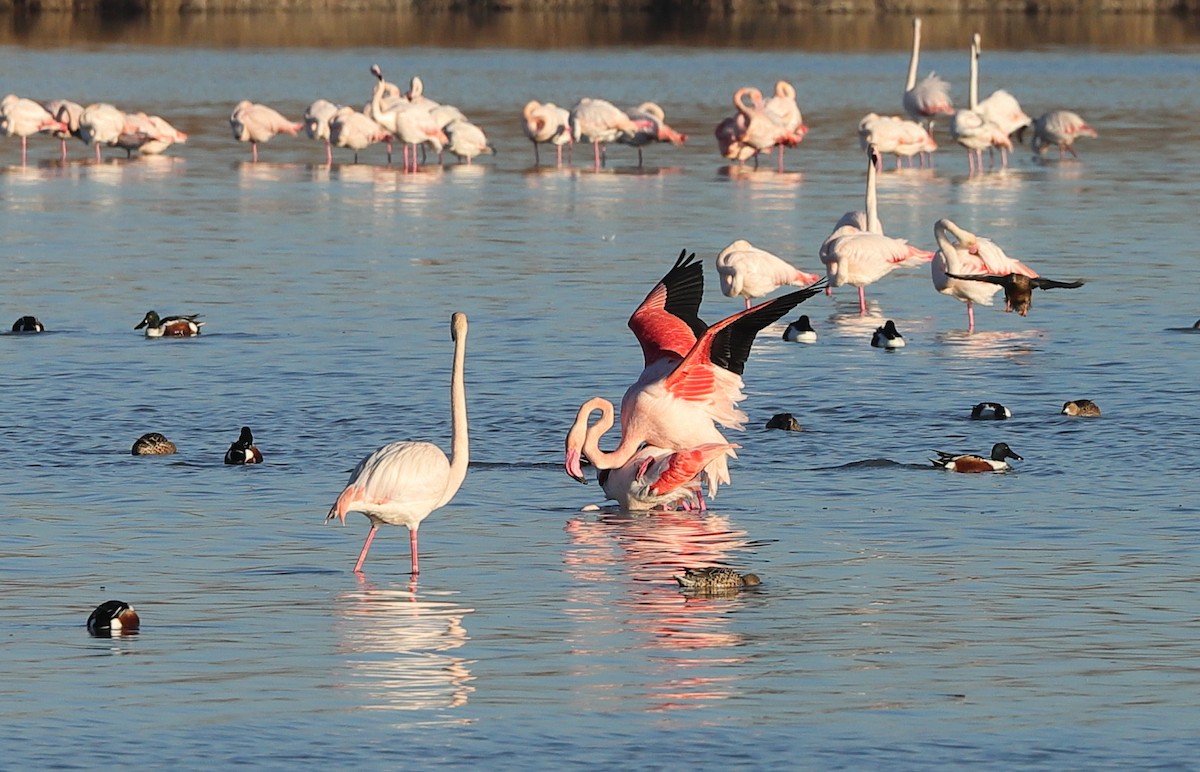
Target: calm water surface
(908, 618)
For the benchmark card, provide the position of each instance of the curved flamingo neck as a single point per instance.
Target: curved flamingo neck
(459, 444)
(916, 56)
(624, 451)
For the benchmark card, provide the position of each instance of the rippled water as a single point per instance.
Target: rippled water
(908, 617)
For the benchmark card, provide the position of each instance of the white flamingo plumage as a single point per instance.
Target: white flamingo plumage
(924, 101)
(749, 272)
(547, 123)
(1001, 108)
(1060, 128)
(412, 124)
(20, 117)
(103, 124)
(316, 124)
(255, 123)
(893, 135)
(599, 122)
(858, 253)
(783, 106)
(351, 129)
(67, 112)
(467, 140)
(964, 253)
(974, 130)
(402, 483)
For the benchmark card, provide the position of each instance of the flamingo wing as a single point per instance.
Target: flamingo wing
(667, 323)
(681, 467)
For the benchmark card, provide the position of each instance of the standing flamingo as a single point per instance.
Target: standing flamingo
(651, 121)
(893, 135)
(1002, 109)
(965, 255)
(599, 122)
(974, 130)
(547, 123)
(316, 124)
(256, 123)
(763, 128)
(925, 100)
(863, 255)
(783, 106)
(410, 123)
(467, 140)
(20, 117)
(103, 124)
(1060, 128)
(67, 112)
(750, 272)
(402, 483)
(351, 129)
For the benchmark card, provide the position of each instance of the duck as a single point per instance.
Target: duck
(170, 326)
(152, 444)
(1018, 288)
(28, 324)
(887, 336)
(243, 451)
(800, 331)
(968, 462)
(785, 421)
(715, 579)
(1083, 407)
(990, 411)
(113, 617)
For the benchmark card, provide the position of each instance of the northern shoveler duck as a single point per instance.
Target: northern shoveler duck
(152, 444)
(243, 451)
(967, 462)
(990, 411)
(785, 421)
(887, 336)
(1018, 288)
(715, 579)
(1083, 407)
(170, 326)
(113, 617)
(28, 324)
(800, 331)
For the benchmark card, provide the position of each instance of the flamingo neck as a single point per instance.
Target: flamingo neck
(916, 56)
(459, 445)
(872, 203)
(624, 451)
(973, 99)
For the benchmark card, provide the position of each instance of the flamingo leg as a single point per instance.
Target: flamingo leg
(862, 300)
(412, 544)
(23, 141)
(366, 546)
(970, 316)
(329, 154)
(389, 150)
(596, 153)
(536, 160)
(747, 302)
(98, 152)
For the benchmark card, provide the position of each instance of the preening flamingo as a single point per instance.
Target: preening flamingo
(749, 272)
(316, 124)
(256, 123)
(783, 106)
(962, 253)
(351, 129)
(651, 122)
(402, 483)
(20, 117)
(893, 135)
(692, 378)
(764, 129)
(67, 112)
(547, 123)
(412, 124)
(925, 100)
(656, 478)
(972, 129)
(102, 124)
(1060, 128)
(858, 255)
(599, 122)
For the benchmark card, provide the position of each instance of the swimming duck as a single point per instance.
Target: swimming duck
(152, 444)
(990, 411)
(715, 579)
(1084, 407)
(243, 451)
(170, 326)
(1018, 288)
(887, 336)
(967, 462)
(785, 421)
(800, 331)
(28, 324)
(113, 617)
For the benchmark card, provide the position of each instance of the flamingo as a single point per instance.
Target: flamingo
(22, 117)
(103, 124)
(925, 100)
(68, 113)
(547, 123)
(599, 122)
(316, 124)
(972, 129)
(729, 143)
(655, 478)
(1002, 109)
(1061, 128)
(148, 134)
(416, 95)
(692, 376)
(966, 255)
(784, 107)
(894, 135)
(410, 123)
(402, 483)
(467, 140)
(750, 272)
(254, 123)
(763, 128)
(651, 121)
(351, 129)
(858, 253)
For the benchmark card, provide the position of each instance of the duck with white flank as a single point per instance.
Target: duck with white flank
(887, 336)
(969, 462)
(990, 411)
(800, 331)
(242, 451)
(113, 617)
(170, 326)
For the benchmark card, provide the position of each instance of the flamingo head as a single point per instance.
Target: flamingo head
(574, 464)
(376, 71)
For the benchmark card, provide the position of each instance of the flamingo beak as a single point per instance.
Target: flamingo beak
(573, 467)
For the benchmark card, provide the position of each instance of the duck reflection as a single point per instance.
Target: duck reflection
(396, 645)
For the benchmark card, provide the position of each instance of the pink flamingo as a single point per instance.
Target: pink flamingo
(402, 483)
(968, 254)
(896, 136)
(783, 106)
(148, 134)
(763, 129)
(862, 256)
(316, 124)
(599, 122)
(1000, 108)
(467, 140)
(925, 100)
(1060, 128)
(547, 123)
(651, 121)
(68, 113)
(656, 478)
(103, 124)
(20, 117)
(351, 129)
(972, 129)
(692, 378)
(254, 123)
(729, 143)
(410, 123)
(750, 272)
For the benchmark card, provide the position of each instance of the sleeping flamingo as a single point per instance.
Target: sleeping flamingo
(750, 272)
(783, 106)
(965, 255)
(256, 123)
(316, 124)
(692, 378)
(68, 113)
(103, 124)
(925, 100)
(402, 483)
(599, 122)
(547, 123)
(858, 253)
(764, 129)
(651, 122)
(351, 129)
(893, 135)
(20, 117)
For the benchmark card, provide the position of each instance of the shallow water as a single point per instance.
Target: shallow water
(908, 617)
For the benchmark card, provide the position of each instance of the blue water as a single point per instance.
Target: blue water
(908, 617)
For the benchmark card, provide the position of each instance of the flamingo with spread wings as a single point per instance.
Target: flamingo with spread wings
(692, 377)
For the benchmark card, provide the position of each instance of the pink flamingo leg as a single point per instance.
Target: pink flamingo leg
(412, 544)
(366, 546)
(970, 316)
(98, 152)
(23, 141)
(862, 300)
